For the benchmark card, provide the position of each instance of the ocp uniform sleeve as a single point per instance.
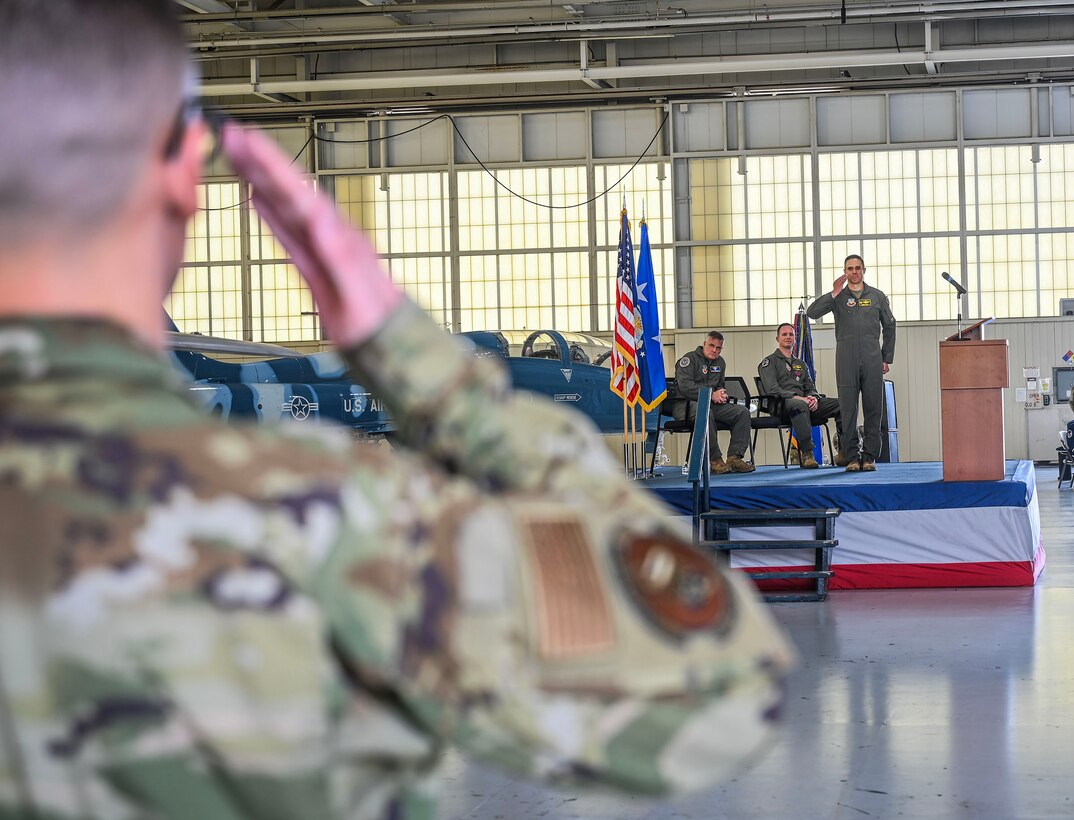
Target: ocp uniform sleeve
(511, 626)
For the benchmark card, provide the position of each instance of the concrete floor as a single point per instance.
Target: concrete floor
(933, 703)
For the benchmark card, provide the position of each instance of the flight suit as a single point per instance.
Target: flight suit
(694, 371)
(860, 322)
(229, 621)
(788, 377)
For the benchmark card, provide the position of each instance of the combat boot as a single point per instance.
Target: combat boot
(868, 465)
(854, 466)
(809, 462)
(841, 459)
(719, 466)
(736, 464)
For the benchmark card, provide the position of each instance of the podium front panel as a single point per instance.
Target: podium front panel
(972, 434)
(974, 365)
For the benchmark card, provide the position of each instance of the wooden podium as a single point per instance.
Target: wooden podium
(973, 373)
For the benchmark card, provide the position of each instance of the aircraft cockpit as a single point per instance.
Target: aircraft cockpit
(564, 347)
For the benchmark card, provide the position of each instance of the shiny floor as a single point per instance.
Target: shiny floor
(947, 703)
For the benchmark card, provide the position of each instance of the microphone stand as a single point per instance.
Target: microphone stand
(958, 301)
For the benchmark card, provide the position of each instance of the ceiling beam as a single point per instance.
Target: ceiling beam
(834, 60)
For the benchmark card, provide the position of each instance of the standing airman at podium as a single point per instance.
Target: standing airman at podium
(862, 316)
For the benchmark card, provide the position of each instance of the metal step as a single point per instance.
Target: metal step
(794, 597)
(769, 515)
(771, 545)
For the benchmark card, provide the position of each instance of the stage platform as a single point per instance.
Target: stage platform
(901, 526)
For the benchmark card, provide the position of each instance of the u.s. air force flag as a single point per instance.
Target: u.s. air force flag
(803, 349)
(650, 354)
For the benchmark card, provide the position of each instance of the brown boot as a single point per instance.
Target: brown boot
(809, 462)
(854, 466)
(841, 459)
(736, 464)
(719, 466)
(868, 465)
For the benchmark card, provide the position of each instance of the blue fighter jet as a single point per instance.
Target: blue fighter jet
(283, 385)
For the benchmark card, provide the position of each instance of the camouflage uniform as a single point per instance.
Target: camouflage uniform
(217, 622)
(788, 377)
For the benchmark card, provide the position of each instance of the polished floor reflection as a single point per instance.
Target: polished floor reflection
(954, 703)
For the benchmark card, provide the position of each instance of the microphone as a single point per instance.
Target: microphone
(954, 283)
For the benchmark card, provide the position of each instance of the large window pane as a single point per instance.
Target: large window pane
(207, 294)
(889, 192)
(840, 194)
(647, 190)
(779, 196)
(1007, 271)
(999, 188)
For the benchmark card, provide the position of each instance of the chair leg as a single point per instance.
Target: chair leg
(785, 448)
(831, 450)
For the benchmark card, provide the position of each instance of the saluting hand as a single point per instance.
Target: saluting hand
(837, 286)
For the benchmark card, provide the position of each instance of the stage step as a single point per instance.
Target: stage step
(773, 545)
(764, 574)
(717, 529)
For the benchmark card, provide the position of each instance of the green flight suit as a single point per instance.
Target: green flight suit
(694, 371)
(788, 377)
(860, 322)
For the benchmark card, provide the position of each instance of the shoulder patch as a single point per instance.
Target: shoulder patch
(684, 361)
(765, 362)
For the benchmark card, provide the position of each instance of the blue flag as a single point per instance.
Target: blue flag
(650, 355)
(803, 349)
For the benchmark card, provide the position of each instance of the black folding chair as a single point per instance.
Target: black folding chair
(775, 406)
(740, 393)
(675, 415)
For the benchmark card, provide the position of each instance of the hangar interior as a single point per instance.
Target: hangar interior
(488, 148)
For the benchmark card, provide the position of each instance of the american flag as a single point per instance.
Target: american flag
(627, 321)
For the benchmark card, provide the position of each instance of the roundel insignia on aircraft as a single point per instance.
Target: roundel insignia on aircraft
(300, 407)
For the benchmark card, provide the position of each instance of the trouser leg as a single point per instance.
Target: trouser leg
(797, 412)
(714, 444)
(828, 409)
(848, 411)
(738, 417)
(872, 403)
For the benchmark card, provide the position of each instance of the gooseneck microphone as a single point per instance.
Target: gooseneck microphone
(954, 283)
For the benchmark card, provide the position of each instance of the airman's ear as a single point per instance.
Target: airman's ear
(183, 170)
